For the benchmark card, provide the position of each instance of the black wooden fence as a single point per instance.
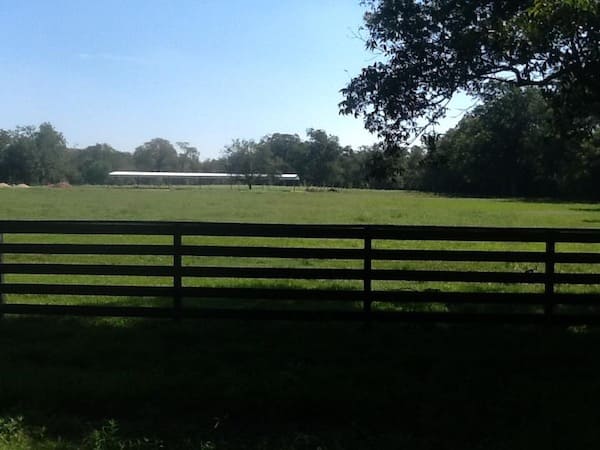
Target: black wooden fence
(368, 256)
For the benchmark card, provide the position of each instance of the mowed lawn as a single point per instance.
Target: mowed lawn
(129, 383)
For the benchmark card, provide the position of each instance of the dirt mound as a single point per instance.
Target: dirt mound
(4, 185)
(22, 185)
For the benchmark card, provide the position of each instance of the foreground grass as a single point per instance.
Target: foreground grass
(232, 385)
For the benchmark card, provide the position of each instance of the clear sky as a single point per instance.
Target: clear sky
(202, 71)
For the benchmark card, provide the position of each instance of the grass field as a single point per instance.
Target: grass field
(287, 206)
(124, 383)
(277, 205)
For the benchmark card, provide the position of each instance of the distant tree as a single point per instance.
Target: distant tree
(241, 158)
(5, 139)
(51, 155)
(507, 146)
(94, 163)
(322, 155)
(319, 160)
(429, 50)
(582, 170)
(213, 165)
(286, 151)
(5, 142)
(33, 155)
(18, 160)
(385, 166)
(156, 155)
(352, 168)
(287, 147)
(189, 158)
(414, 168)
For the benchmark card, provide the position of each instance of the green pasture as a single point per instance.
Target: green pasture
(284, 205)
(155, 384)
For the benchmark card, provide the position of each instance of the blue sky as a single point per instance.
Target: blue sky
(204, 71)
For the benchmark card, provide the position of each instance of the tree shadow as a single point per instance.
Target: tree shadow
(231, 381)
(557, 201)
(552, 200)
(585, 209)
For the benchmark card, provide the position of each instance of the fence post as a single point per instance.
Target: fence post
(367, 266)
(2, 297)
(177, 274)
(549, 284)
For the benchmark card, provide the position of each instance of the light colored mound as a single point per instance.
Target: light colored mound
(22, 185)
(4, 185)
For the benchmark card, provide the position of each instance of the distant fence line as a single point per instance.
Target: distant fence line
(478, 302)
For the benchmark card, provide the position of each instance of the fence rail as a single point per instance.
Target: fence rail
(359, 264)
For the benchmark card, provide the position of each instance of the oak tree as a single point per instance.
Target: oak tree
(428, 50)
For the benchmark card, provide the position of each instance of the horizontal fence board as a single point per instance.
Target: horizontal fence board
(576, 299)
(272, 252)
(87, 269)
(577, 258)
(483, 234)
(320, 316)
(183, 228)
(87, 249)
(424, 297)
(394, 316)
(591, 236)
(358, 316)
(398, 232)
(86, 289)
(86, 227)
(272, 230)
(273, 273)
(508, 298)
(577, 278)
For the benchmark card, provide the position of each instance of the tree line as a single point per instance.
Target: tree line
(509, 145)
(40, 155)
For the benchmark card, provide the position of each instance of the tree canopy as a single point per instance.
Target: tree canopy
(156, 155)
(506, 146)
(33, 155)
(428, 50)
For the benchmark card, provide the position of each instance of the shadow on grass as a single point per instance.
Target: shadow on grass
(586, 209)
(243, 384)
(552, 200)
